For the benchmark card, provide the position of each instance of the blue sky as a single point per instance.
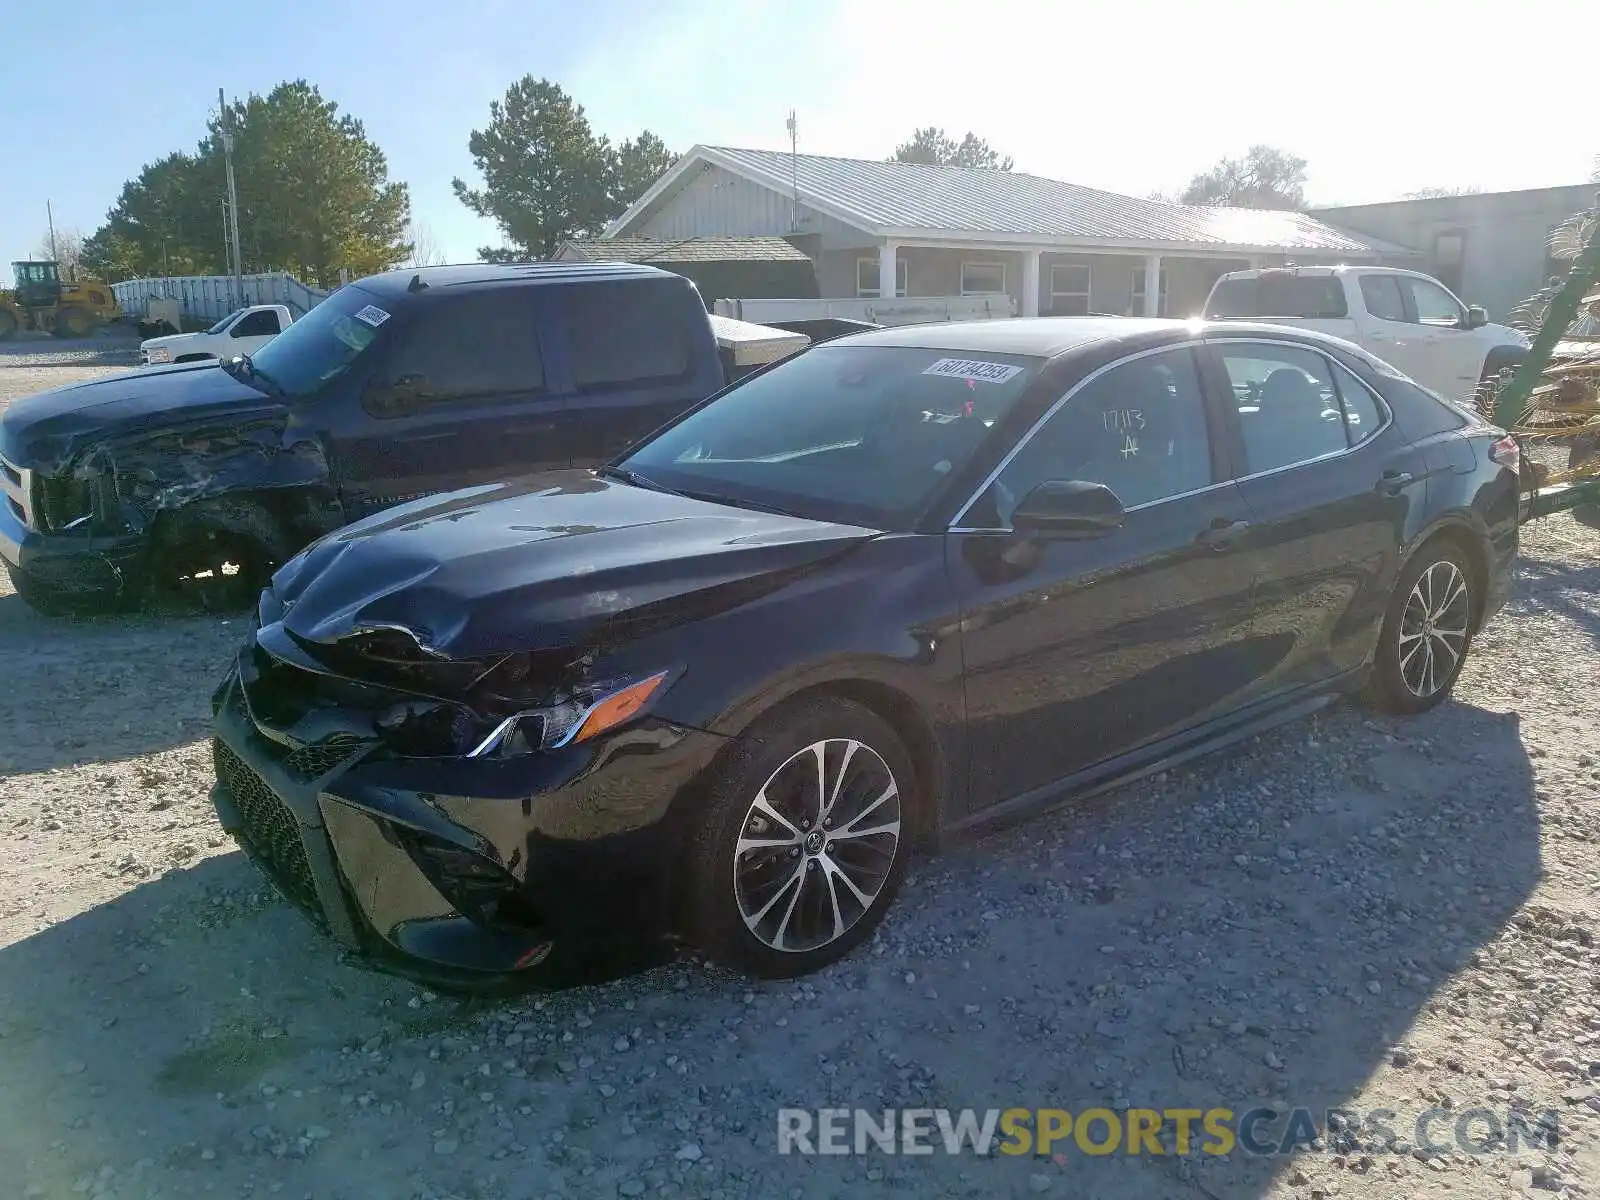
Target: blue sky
(1381, 96)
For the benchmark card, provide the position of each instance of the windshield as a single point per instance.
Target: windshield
(323, 344)
(859, 434)
(223, 324)
(1302, 297)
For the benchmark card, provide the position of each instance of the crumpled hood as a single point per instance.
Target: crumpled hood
(45, 430)
(560, 559)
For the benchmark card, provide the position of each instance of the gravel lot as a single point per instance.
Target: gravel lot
(1349, 912)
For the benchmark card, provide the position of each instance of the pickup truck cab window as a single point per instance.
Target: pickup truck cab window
(1305, 297)
(223, 324)
(263, 323)
(1433, 305)
(476, 347)
(625, 336)
(1382, 296)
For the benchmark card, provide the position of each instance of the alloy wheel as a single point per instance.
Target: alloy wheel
(1433, 629)
(817, 845)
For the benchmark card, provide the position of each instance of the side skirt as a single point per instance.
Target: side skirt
(1158, 756)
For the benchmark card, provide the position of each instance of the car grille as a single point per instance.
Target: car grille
(270, 829)
(17, 487)
(316, 759)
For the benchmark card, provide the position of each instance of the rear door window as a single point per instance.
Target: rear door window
(482, 345)
(1381, 294)
(627, 335)
(1299, 297)
(1289, 407)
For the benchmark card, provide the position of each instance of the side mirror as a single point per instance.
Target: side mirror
(1069, 508)
(1477, 317)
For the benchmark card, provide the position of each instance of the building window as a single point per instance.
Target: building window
(983, 278)
(1136, 308)
(1069, 289)
(867, 277)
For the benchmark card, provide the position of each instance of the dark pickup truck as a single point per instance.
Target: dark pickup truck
(206, 476)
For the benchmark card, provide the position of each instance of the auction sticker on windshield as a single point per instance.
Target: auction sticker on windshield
(973, 368)
(372, 315)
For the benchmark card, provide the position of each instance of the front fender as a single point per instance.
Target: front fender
(143, 477)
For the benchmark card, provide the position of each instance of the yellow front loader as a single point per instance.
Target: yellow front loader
(43, 301)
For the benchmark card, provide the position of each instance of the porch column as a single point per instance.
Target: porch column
(1030, 284)
(886, 273)
(1152, 285)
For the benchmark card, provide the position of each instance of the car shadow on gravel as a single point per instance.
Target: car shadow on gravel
(120, 1027)
(1261, 930)
(106, 688)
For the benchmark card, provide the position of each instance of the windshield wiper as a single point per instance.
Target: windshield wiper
(741, 502)
(633, 477)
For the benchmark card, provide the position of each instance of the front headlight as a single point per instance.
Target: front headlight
(590, 710)
(159, 354)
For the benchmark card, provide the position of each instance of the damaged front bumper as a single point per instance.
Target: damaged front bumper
(450, 869)
(71, 562)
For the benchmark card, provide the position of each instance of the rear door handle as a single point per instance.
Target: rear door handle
(1394, 482)
(1221, 534)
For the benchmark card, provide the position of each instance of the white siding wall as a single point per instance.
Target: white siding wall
(716, 203)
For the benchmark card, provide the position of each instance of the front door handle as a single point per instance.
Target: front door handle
(1394, 482)
(1222, 533)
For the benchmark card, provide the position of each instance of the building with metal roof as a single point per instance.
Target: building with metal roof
(720, 266)
(922, 230)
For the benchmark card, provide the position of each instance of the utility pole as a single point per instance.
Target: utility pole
(236, 260)
(50, 216)
(794, 169)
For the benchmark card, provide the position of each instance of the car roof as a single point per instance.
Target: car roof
(492, 275)
(1050, 337)
(1323, 269)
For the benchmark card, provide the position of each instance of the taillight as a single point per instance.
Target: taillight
(1507, 453)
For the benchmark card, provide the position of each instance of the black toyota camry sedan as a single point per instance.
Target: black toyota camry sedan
(904, 584)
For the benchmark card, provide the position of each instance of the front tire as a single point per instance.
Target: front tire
(804, 840)
(58, 604)
(1426, 633)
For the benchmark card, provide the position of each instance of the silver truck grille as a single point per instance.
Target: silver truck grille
(16, 484)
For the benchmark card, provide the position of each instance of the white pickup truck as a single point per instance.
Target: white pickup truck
(243, 331)
(1408, 319)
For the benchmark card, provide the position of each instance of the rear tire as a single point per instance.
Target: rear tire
(1427, 631)
(804, 839)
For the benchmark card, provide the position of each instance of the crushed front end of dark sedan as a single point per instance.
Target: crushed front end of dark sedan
(441, 744)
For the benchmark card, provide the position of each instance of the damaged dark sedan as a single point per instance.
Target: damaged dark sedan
(905, 584)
